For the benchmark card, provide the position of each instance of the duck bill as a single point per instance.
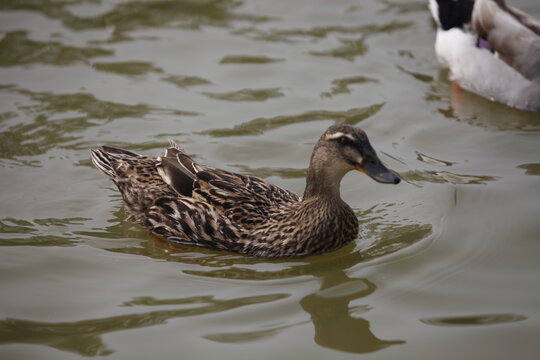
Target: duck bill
(378, 172)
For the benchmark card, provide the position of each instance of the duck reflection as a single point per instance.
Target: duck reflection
(329, 309)
(331, 314)
(332, 317)
(335, 320)
(461, 105)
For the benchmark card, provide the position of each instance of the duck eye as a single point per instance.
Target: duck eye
(344, 140)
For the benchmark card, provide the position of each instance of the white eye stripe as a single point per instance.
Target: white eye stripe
(338, 135)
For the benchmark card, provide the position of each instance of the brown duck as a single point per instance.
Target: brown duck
(189, 203)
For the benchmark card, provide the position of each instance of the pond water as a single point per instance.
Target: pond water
(446, 265)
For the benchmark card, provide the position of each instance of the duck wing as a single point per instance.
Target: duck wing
(177, 169)
(224, 212)
(246, 200)
(511, 33)
(522, 17)
(188, 221)
(193, 204)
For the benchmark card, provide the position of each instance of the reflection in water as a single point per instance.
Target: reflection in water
(16, 49)
(432, 161)
(329, 309)
(336, 323)
(416, 177)
(39, 136)
(85, 337)
(331, 315)
(132, 15)
(378, 237)
(476, 110)
(246, 95)
(335, 327)
(89, 105)
(341, 86)
(530, 169)
(418, 76)
(127, 67)
(351, 48)
(47, 115)
(248, 336)
(404, 7)
(452, 178)
(260, 125)
(82, 103)
(347, 51)
(186, 81)
(488, 319)
(80, 109)
(249, 59)
(39, 232)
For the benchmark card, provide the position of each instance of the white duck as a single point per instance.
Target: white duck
(491, 49)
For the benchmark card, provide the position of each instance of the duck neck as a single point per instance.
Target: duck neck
(322, 183)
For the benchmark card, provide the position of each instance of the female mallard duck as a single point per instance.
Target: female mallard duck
(190, 203)
(491, 49)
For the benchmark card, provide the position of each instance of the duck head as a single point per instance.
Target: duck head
(451, 13)
(340, 149)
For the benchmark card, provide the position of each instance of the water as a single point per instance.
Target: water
(446, 264)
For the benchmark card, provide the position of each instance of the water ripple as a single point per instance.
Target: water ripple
(73, 113)
(246, 95)
(349, 49)
(132, 15)
(530, 169)
(249, 59)
(319, 32)
(406, 7)
(17, 49)
(341, 86)
(432, 161)
(260, 125)
(127, 67)
(248, 336)
(416, 177)
(85, 337)
(39, 232)
(186, 81)
(471, 320)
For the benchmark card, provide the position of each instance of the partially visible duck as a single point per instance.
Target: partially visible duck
(189, 203)
(491, 49)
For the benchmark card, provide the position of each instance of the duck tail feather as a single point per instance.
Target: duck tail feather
(103, 162)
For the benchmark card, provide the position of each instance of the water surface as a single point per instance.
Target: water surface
(446, 263)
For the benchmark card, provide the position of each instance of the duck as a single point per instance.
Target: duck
(188, 203)
(491, 49)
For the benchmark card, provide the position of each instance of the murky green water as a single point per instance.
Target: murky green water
(446, 265)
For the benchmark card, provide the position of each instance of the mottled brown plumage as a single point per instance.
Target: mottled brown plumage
(189, 203)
